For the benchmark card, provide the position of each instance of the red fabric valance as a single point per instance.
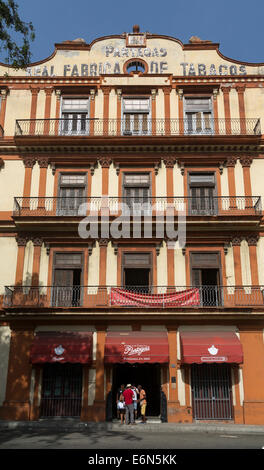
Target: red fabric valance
(137, 347)
(62, 347)
(210, 347)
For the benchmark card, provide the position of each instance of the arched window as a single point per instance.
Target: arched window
(136, 66)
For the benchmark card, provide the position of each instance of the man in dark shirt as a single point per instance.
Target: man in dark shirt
(128, 397)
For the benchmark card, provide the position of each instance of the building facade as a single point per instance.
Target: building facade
(131, 231)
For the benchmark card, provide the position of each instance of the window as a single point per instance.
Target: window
(205, 269)
(74, 113)
(202, 190)
(136, 116)
(72, 188)
(136, 191)
(136, 66)
(137, 271)
(198, 115)
(67, 279)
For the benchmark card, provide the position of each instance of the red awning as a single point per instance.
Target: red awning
(61, 347)
(137, 347)
(210, 347)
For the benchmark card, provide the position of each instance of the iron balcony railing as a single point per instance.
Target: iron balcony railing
(82, 206)
(150, 127)
(150, 297)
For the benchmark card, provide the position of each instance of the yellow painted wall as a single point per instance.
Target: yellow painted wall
(8, 256)
(18, 106)
(11, 183)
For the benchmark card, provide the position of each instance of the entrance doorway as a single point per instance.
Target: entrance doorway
(147, 375)
(211, 392)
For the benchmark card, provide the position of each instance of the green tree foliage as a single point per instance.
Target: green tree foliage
(18, 55)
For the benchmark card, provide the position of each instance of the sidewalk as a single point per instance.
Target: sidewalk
(74, 425)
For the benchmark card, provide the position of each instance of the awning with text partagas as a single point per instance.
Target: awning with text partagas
(123, 297)
(62, 347)
(210, 347)
(136, 347)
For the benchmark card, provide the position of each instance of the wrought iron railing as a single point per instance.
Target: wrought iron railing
(82, 206)
(150, 297)
(118, 127)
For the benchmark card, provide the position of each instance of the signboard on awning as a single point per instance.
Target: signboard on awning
(137, 347)
(210, 347)
(62, 347)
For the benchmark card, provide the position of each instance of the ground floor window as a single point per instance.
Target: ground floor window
(211, 391)
(61, 390)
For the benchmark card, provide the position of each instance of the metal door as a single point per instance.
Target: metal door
(61, 390)
(211, 392)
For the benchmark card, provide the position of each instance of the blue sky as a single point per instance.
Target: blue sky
(236, 24)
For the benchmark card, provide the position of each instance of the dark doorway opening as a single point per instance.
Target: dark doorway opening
(137, 277)
(147, 375)
(61, 390)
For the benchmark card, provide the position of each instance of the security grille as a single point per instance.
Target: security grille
(61, 390)
(211, 392)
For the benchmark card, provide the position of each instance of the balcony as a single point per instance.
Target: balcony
(152, 127)
(143, 297)
(147, 206)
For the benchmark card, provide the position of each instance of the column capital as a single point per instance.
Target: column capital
(92, 93)
(169, 162)
(246, 161)
(34, 90)
(226, 89)
(43, 162)
(153, 94)
(236, 240)
(103, 242)
(22, 240)
(29, 162)
(119, 93)
(240, 88)
(106, 90)
(166, 90)
(231, 162)
(37, 241)
(252, 240)
(48, 91)
(105, 162)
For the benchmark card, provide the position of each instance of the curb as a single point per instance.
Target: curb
(71, 426)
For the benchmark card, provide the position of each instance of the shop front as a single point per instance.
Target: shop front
(211, 357)
(139, 358)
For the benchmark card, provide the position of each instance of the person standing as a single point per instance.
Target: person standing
(143, 403)
(135, 399)
(128, 397)
(118, 396)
